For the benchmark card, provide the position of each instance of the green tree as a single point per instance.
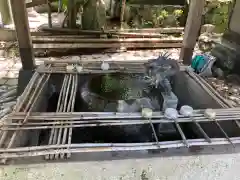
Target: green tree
(5, 12)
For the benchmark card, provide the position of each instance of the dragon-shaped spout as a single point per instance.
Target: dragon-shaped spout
(160, 70)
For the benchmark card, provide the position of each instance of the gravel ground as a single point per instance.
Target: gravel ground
(229, 88)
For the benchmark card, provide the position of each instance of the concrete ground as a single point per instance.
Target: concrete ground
(193, 167)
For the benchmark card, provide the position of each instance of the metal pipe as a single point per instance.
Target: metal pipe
(119, 116)
(72, 109)
(80, 148)
(65, 121)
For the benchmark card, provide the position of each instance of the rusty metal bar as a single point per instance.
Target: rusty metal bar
(225, 134)
(181, 133)
(154, 133)
(201, 130)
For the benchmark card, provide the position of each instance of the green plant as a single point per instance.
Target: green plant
(217, 14)
(178, 13)
(65, 2)
(155, 17)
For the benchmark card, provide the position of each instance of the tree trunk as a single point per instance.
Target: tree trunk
(5, 12)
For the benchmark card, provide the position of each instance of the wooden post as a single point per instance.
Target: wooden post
(122, 13)
(192, 29)
(49, 14)
(72, 15)
(19, 13)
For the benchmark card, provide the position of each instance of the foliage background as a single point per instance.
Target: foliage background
(216, 13)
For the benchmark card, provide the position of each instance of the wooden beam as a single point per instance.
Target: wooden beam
(20, 19)
(173, 30)
(192, 29)
(107, 45)
(52, 39)
(157, 33)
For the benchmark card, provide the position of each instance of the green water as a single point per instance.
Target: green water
(118, 86)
